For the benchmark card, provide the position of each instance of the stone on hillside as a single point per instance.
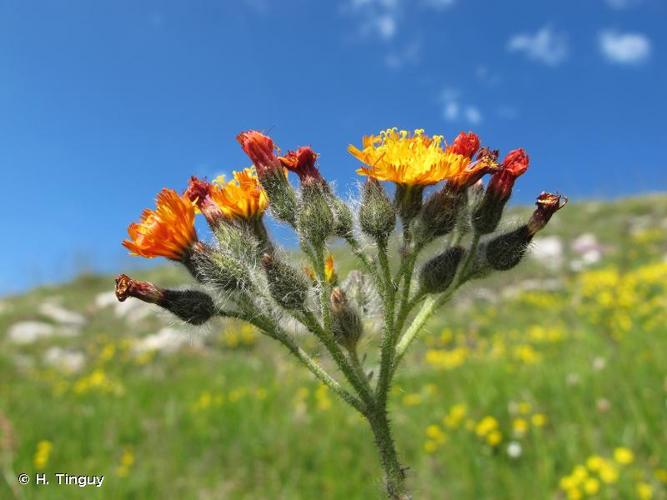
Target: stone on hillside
(167, 340)
(589, 250)
(61, 315)
(548, 251)
(105, 299)
(64, 359)
(27, 332)
(130, 310)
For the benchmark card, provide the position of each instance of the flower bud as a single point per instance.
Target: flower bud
(377, 215)
(506, 251)
(287, 286)
(343, 218)
(438, 273)
(271, 174)
(408, 201)
(346, 323)
(217, 269)
(315, 220)
(191, 306)
(439, 214)
(490, 210)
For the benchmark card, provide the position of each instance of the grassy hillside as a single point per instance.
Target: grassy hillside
(546, 382)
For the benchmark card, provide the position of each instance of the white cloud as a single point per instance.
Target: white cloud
(377, 18)
(454, 110)
(622, 4)
(624, 48)
(546, 46)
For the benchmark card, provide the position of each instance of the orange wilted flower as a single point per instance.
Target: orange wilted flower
(415, 159)
(168, 231)
(240, 198)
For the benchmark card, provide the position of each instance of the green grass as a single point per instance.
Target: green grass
(237, 418)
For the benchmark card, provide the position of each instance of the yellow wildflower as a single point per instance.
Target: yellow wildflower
(644, 491)
(591, 486)
(411, 160)
(624, 456)
(538, 420)
(485, 426)
(42, 454)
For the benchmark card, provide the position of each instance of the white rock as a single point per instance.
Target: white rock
(64, 359)
(167, 340)
(105, 299)
(27, 332)
(548, 251)
(61, 315)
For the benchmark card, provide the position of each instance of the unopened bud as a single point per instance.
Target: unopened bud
(506, 251)
(287, 286)
(408, 201)
(217, 269)
(302, 163)
(490, 210)
(438, 273)
(191, 306)
(315, 220)
(346, 323)
(377, 215)
(439, 214)
(271, 173)
(343, 219)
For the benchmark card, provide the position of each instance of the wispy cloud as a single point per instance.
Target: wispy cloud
(545, 46)
(455, 110)
(377, 18)
(439, 4)
(624, 48)
(622, 4)
(406, 56)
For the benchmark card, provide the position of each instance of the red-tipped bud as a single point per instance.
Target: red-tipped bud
(515, 164)
(192, 306)
(199, 193)
(547, 205)
(465, 144)
(302, 163)
(260, 149)
(127, 287)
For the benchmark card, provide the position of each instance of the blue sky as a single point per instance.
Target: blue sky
(104, 103)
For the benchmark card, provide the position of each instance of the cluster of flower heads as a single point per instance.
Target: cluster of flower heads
(412, 161)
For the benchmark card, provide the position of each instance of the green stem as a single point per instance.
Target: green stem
(275, 332)
(394, 474)
(388, 337)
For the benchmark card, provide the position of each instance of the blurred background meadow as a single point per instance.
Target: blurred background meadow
(547, 382)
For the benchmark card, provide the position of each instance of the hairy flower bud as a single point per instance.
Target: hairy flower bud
(438, 273)
(377, 215)
(343, 218)
(272, 176)
(315, 221)
(218, 269)
(490, 210)
(439, 214)
(408, 201)
(191, 306)
(287, 286)
(346, 323)
(506, 251)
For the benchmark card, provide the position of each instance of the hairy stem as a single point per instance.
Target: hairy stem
(388, 336)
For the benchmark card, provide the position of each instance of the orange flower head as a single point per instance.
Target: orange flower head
(261, 150)
(302, 163)
(168, 231)
(329, 271)
(242, 198)
(403, 158)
